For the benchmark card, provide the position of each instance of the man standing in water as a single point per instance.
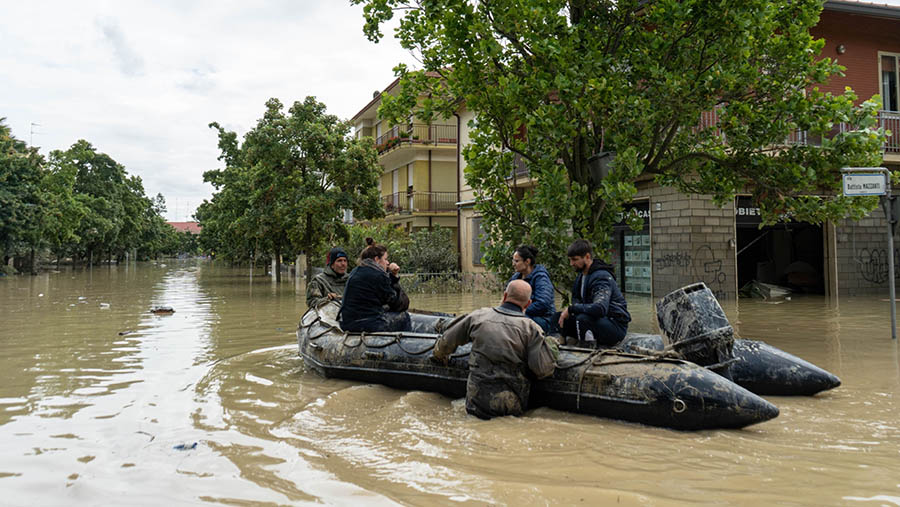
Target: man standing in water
(599, 314)
(329, 284)
(505, 345)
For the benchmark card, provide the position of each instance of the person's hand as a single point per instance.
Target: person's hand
(394, 268)
(440, 361)
(332, 296)
(563, 316)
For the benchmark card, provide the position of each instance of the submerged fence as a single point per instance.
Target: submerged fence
(448, 283)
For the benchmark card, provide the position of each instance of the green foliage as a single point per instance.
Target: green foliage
(423, 251)
(77, 203)
(21, 195)
(431, 251)
(557, 81)
(283, 190)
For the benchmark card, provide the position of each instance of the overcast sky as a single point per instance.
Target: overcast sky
(142, 80)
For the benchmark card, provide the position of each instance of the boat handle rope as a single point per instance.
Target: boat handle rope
(327, 328)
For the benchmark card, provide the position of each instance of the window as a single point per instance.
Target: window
(889, 81)
(477, 231)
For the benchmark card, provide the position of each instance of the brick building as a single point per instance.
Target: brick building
(688, 238)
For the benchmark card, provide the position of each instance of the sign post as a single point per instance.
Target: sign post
(860, 181)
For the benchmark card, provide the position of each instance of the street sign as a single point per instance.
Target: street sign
(864, 184)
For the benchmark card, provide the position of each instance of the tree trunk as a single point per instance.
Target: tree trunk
(31, 262)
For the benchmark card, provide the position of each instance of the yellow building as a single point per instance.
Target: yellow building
(471, 231)
(419, 185)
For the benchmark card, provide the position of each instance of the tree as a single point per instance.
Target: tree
(21, 196)
(556, 82)
(290, 180)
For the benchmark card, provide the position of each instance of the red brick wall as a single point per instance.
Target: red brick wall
(863, 37)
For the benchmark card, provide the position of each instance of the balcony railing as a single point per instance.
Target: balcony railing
(889, 120)
(415, 134)
(409, 202)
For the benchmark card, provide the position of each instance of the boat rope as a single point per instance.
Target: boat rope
(396, 338)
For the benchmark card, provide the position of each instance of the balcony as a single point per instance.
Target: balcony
(889, 120)
(419, 202)
(415, 134)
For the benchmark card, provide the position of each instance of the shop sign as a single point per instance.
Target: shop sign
(641, 207)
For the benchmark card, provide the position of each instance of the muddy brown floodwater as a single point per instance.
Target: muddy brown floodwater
(96, 393)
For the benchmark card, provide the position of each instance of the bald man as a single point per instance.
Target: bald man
(505, 345)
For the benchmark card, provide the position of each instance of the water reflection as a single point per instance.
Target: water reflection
(87, 413)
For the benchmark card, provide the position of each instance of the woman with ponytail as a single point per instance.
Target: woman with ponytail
(542, 306)
(373, 299)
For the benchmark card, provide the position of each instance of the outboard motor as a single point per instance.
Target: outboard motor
(696, 327)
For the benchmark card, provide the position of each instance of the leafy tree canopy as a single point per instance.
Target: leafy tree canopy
(285, 187)
(557, 81)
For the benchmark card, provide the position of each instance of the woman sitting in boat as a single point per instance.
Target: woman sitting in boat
(373, 299)
(542, 307)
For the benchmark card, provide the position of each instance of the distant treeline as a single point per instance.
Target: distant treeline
(76, 204)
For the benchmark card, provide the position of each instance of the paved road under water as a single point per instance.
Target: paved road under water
(96, 392)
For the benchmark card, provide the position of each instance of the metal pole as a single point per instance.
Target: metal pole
(890, 218)
(888, 215)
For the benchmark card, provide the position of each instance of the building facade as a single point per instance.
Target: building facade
(419, 183)
(687, 238)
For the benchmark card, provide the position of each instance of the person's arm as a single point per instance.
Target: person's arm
(541, 297)
(543, 353)
(456, 334)
(399, 302)
(598, 306)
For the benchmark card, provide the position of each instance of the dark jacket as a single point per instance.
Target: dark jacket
(505, 346)
(370, 292)
(542, 304)
(597, 294)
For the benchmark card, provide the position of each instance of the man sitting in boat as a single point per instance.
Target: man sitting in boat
(505, 345)
(329, 284)
(542, 307)
(373, 299)
(599, 314)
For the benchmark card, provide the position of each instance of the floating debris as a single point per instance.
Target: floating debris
(104, 306)
(185, 447)
(123, 333)
(162, 310)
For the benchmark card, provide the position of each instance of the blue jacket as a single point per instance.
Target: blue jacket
(542, 304)
(369, 293)
(597, 294)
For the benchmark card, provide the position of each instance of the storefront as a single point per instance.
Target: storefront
(789, 254)
(631, 252)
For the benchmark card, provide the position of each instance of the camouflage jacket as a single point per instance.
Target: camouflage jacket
(505, 345)
(321, 285)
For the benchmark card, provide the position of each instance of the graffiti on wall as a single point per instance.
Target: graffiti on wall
(675, 259)
(699, 265)
(872, 264)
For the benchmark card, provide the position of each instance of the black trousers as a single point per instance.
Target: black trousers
(602, 331)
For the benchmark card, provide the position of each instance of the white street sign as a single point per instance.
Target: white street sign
(864, 184)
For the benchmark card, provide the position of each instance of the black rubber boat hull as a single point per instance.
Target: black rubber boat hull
(761, 368)
(654, 391)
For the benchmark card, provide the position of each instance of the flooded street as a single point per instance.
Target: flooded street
(96, 393)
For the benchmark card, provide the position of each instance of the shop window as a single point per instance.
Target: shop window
(631, 252)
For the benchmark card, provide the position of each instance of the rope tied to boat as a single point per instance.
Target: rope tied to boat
(396, 338)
